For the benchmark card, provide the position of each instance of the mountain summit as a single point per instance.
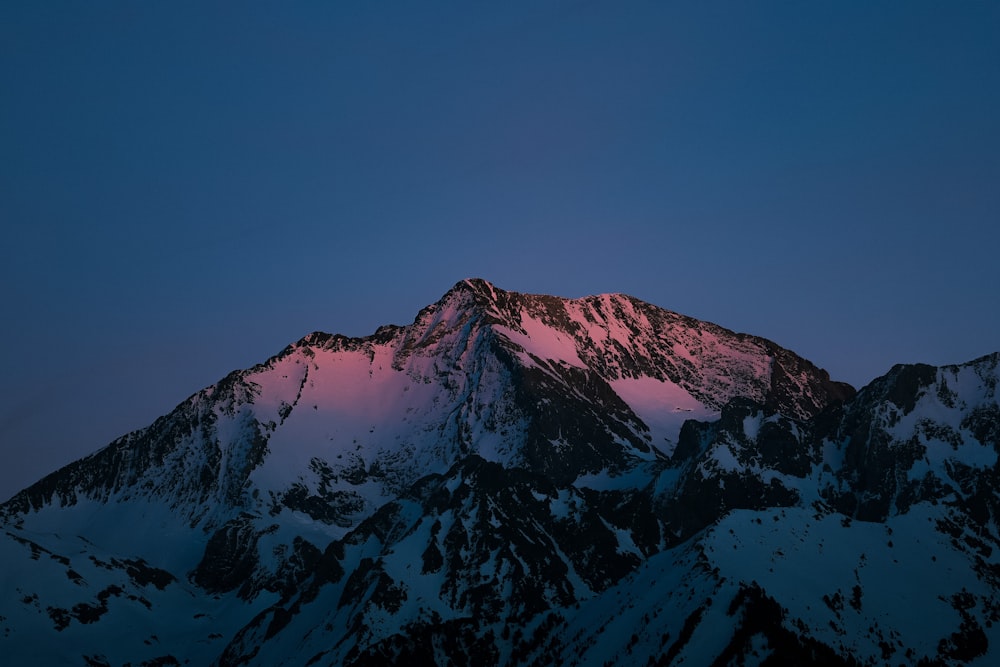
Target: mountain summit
(523, 479)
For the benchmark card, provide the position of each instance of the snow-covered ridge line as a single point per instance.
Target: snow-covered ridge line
(687, 368)
(520, 479)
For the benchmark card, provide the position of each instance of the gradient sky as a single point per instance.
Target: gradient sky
(187, 187)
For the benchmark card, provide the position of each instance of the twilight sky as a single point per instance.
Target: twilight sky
(185, 188)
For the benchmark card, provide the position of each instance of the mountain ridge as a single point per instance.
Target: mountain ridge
(496, 477)
(477, 302)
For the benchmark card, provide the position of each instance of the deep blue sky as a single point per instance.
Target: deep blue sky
(185, 189)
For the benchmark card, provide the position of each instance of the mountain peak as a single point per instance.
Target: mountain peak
(476, 285)
(505, 478)
(482, 291)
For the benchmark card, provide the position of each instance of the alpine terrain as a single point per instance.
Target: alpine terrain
(518, 479)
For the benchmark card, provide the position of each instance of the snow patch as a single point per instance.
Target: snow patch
(663, 406)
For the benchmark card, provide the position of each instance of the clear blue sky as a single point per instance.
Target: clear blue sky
(187, 187)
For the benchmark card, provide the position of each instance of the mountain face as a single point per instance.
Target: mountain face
(520, 479)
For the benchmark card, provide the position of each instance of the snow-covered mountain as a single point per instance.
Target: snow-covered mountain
(519, 479)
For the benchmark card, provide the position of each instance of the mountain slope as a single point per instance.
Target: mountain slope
(565, 387)
(505, 481)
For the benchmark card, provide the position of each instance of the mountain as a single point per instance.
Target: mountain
(518, 479)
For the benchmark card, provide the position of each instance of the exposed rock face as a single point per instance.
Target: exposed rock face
(917, 434)
(522, 479)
